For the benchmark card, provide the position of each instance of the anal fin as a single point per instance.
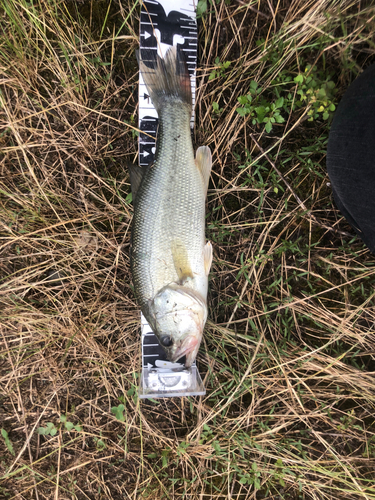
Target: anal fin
(207, 256)
(203, 160)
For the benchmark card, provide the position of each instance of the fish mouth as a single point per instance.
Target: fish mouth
(188, 348)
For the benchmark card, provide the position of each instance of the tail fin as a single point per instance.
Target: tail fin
(165, 78)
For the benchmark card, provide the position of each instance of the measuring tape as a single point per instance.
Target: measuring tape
(163, 24)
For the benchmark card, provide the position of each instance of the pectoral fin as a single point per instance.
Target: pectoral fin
(207, 255)
(181, 261)
(203, 160)
(136, 175)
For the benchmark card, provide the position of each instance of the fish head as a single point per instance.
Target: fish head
(179, 315)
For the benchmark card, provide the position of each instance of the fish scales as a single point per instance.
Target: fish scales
(170, 202)
(170, 259)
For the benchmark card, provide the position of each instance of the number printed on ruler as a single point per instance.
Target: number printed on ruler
(163, 24)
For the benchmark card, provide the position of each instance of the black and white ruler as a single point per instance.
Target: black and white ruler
(162, 25)
(160, 378)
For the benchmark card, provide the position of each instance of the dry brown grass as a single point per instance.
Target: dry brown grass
(288, 354)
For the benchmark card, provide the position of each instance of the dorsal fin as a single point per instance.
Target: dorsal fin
(136, 174)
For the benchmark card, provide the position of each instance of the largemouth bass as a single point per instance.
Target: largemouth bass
(170, 259)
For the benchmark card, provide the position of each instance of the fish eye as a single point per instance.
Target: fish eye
(166, 341)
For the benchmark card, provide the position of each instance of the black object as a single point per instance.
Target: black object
(351, 156)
